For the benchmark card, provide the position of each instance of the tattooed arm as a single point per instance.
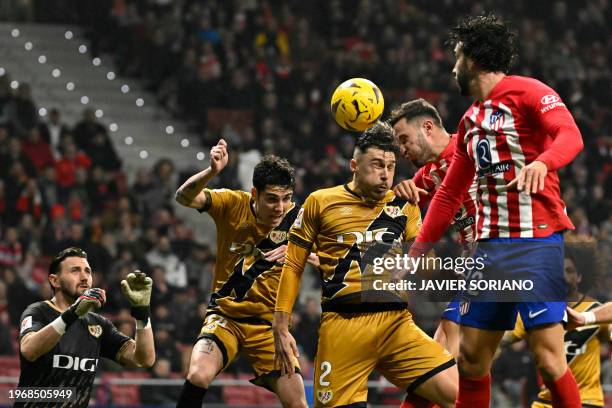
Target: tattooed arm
(191, 193)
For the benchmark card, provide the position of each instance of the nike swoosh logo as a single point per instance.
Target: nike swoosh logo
(449, 309)
(539, 312)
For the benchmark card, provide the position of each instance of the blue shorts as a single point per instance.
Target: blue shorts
(451, 312)
(538, 260)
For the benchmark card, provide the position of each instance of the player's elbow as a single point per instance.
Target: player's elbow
(28, 353)
(179, 197)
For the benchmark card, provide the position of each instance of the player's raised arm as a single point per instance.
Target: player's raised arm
(141, 352)
(190, 193)
(37, 341)
(556, 121)
(301, 238)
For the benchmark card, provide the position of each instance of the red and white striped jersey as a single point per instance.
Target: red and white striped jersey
(430, 177)
(521, 121)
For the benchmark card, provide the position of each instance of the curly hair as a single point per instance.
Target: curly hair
(273, 171)
(487, 41)
(379, 136)
(413, 109)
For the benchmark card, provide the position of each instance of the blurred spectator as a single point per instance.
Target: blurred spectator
(86, 129)
(160, 396)
(162, 255)
(37, 151)
(54, 130)
(23, 111)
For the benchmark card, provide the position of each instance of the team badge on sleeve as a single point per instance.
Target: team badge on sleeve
(298, 220)
(26, 324)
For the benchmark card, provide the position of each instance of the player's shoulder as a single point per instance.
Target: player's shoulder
(37, 308)
(230, 194)
(527, 85)
(328, 195)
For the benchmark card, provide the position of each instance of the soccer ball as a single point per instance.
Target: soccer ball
(357, 104)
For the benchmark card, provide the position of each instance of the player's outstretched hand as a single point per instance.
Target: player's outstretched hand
(92, 298)
(276, 255)
(531, 178)
(407, 190)
(574, 319)
(137, 288)
(218, 156)
(285, 349)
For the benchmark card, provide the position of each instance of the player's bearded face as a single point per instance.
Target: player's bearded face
(412, 142)
(75, 277)
(373, 173)
(272, 204)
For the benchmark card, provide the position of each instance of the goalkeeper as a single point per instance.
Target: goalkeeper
(61, 339)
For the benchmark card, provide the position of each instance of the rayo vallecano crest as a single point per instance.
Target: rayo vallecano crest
(325, 395)
(95, 330)
(277, 236)
(393, 211)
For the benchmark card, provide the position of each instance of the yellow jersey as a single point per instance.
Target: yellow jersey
(245, 284)
(582, 350)
(349, 234)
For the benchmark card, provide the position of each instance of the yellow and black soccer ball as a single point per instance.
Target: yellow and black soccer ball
(357, 104)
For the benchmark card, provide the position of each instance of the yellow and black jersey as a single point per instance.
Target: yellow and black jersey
(349, 233)
(582, 351)
(245, 284)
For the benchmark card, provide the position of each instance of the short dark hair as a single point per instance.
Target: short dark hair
(379, 136)
(59, 258)
(413, 109)
(487, 41)
(273, 171)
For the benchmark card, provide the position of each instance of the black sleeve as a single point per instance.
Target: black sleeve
(111, 340)
(32, 319)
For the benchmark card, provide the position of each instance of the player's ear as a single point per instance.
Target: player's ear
(53, 280)
(254, 192)
(353, 165)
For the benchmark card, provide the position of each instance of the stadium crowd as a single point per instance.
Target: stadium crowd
(259, 74)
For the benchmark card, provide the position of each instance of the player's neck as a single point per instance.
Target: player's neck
(439, 145)
(61, 302)
(354, 187)
(485, 83)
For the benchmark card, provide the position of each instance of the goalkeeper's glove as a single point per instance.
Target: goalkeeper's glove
(137, 288)
(91, 299)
